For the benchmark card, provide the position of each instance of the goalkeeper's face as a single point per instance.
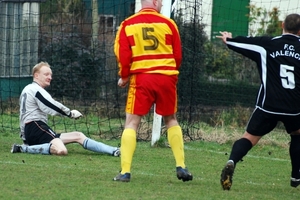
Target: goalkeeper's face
(43, 76)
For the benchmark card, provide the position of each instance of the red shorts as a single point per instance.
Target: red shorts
(147, 89)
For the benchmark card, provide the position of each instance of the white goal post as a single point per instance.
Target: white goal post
(157, 119)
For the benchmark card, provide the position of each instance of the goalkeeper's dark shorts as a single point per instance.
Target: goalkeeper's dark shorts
(261, 122)
(38, 132)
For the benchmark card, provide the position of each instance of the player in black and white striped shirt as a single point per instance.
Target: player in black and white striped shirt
(278, 63)
(35, 106)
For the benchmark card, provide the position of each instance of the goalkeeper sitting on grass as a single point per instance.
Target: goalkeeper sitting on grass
(35, 106)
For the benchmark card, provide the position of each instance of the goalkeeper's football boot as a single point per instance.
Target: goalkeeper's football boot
(116, 152)
(226, 176)
(295, 182)
(183, 174)
(122, 177)
(16, 148)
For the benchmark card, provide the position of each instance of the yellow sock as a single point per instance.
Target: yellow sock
(128, 145)
(175, 140)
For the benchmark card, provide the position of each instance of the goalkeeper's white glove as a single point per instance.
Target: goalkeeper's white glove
(75, 114)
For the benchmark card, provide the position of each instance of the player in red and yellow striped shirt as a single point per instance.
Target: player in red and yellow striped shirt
(148, 50)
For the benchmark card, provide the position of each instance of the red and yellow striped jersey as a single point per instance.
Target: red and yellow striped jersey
(148, 42)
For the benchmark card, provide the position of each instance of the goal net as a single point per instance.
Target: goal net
(76, 38)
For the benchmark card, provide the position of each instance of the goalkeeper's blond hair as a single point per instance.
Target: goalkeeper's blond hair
(38, 66)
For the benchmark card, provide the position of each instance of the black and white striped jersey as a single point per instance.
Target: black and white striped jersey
(36, 104)
(278, 62)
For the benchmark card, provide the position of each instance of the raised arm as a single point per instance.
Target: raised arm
(224, 35)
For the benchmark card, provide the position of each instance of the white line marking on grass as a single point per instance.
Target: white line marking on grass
(136, 171)
(248, 155)
(41, 165)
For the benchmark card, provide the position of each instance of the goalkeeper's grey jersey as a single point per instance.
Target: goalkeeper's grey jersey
(35, 105)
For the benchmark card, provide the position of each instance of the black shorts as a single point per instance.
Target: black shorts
(38, 132)
(262, 122)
